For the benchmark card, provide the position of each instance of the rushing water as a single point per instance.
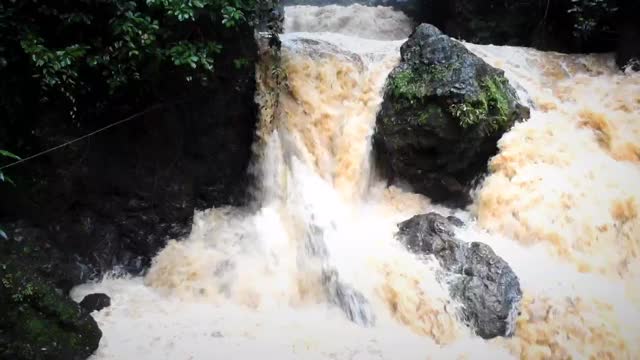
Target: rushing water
(315, 272)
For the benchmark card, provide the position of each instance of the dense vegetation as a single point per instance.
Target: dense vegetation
(593, 17)
(68, 52)
(6, 179)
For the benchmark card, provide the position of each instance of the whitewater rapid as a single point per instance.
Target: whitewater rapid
(560, 205)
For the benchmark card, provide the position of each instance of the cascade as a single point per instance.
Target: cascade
(313, 270)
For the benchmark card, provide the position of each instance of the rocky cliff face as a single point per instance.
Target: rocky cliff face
(444, 110)
(117, 197)
(114, 199)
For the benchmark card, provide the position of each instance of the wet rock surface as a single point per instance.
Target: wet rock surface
(443, 112)
(95, 302)
(480, 280)
(38, 322)
(353, 303)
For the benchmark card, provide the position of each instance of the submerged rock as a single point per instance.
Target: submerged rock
(443, 112)
(95, 302)
(353, 303)
(485, 285)
(37, 321)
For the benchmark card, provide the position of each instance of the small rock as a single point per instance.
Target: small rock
(455, 221)
(95, 302)
(353, 303)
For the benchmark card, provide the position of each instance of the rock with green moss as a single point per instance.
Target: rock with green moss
(443, 112)
(38, 322)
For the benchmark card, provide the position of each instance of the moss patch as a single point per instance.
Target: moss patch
(417, 82)
(490, 110)
(38, 323)
(430, 112)
(407, 84)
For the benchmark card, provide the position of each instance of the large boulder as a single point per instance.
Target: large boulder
(480, 280)
(38, 322)
(443, 112)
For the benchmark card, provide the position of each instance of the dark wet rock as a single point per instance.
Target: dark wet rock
(628, 46)
(37, 322)
(455, 221)
(353, 303)
(443, 112)
(95, 302)
(546, 25)
(34, 247)
(485, 285)
(561, 25)
(314, 258)
(506, 22)
(490, 292)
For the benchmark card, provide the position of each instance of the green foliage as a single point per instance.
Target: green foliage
(4, 178)
(430, 112)
(592, 16)
(408, 85)
(414, 84)
(240, 63)
(185, 53)
(490, 110)
(77, 48)
(7, 154)
(56, 69)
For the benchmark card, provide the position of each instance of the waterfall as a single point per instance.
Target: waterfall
(313, 270)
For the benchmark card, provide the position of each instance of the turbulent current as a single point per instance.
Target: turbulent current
(312, 270)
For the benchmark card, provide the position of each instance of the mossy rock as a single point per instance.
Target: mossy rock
(38, 322)
(443, 112)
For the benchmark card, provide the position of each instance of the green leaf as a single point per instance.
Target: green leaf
(8, 179)
(8, 154)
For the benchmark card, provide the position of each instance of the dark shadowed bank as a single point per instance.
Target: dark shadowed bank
(114, 199)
